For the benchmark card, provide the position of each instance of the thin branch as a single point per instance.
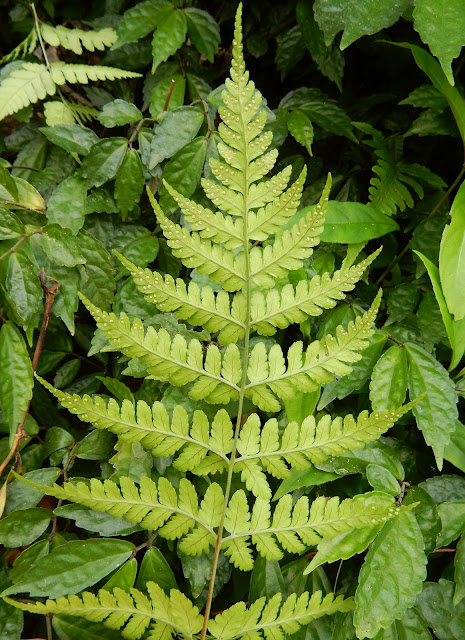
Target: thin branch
(42, 46)
(50, 293)
(23, 238)
(168, 97)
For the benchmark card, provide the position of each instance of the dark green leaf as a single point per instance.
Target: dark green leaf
(351, 222)
(102, 523)
(103, 161)
(140, 20)
(16, 377)
(452, 257)
(175, 130)
(290, 50)
(11, 618)
(169, 36)
(20, 289)
(117, 388)
(67, 204)
(388, 385)
(436, 606)
(391, 576)
(10, 225)
(66, 373)
(267, 579)
(411, 627)
(455, 451)
(445, 488)
(72, 567)
(23, 527)
(97, 282)
(381, 479)
(299, 478)
(124, 577)
(56, 438)
(426, 514)
(155, 568)
(28, 558)
(301, 128)
(21, 496)
(72, 628)
(437, 411)
(183, 172)
(129, 182)
(61, 246)
(98, 445)
(118, 113)
(203, 31)
(163, 78)
(71, 137)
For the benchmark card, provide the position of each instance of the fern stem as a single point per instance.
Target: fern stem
(42, 46)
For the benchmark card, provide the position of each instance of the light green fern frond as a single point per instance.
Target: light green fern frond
(263, 449)
(33, 81)
(153, 428)
(25, 47)
(75, 39)
(201, 306)
(271, 378)
(278, 309)
(160, 507)
(132, 613)
(174, 360)
(296, 527)
(275, 618)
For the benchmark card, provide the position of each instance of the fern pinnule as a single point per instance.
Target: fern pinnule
(133, 613)
(75, 39)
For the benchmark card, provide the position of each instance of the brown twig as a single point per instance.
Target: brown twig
(23, 237)
(168, 97)
(50, 293)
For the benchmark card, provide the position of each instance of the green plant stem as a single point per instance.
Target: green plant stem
(23, 238)
(238, 427)
(430, 215)
(42, 46)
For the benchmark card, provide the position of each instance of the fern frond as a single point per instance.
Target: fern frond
(263, 449)
(269, 377)
(275, 618)
(296, 527)
(132, 613)
(85, 112)
(389, 189)
(33, 81)
(215, 226)
(160, 507)
(152, 427)
(25, 47)
(75, 39)
(219, 264)
(201, 306)
(277, 310)
(174, 360)
(289, 248)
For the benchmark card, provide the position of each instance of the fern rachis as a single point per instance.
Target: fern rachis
(252, 209)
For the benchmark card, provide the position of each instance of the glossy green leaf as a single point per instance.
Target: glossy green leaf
(266, 580)
(11, 618)
(20, 289)
(301, 128)
(299, 478)
(426, 514)
(56, 438)
(357, 461)
(140, 20)
(459, 572)
(23, 527)
(203, 31)
(388, 384)
(183, 172)
(97, 445)
(445, 487)
(169, 36)
(72, 567)
(381, 479)
(103, 161)
(329, 60)
(351, 222)
(66, 373)
(28, 558)
(61, 246)
(155, 568)
(67, 301)
(437, 411)
(452, 257)
(289, 51)
(119, 113)
(10, 224)
(452, 516)
(435, 604)
(102, 523)
(72, 628)
(411, 627)
(71, 137)
(356, 20)
(455, 451)
(129, 182)
(391, 576)
(21, 496)
(441, 25)
(176, 129)
(124, 578)
(344, 546)
(97, 281)
(67, 204)
(16, 378)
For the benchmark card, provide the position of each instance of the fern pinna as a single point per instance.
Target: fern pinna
(240, 245)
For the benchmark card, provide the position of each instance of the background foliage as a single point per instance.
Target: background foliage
(129, 96)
